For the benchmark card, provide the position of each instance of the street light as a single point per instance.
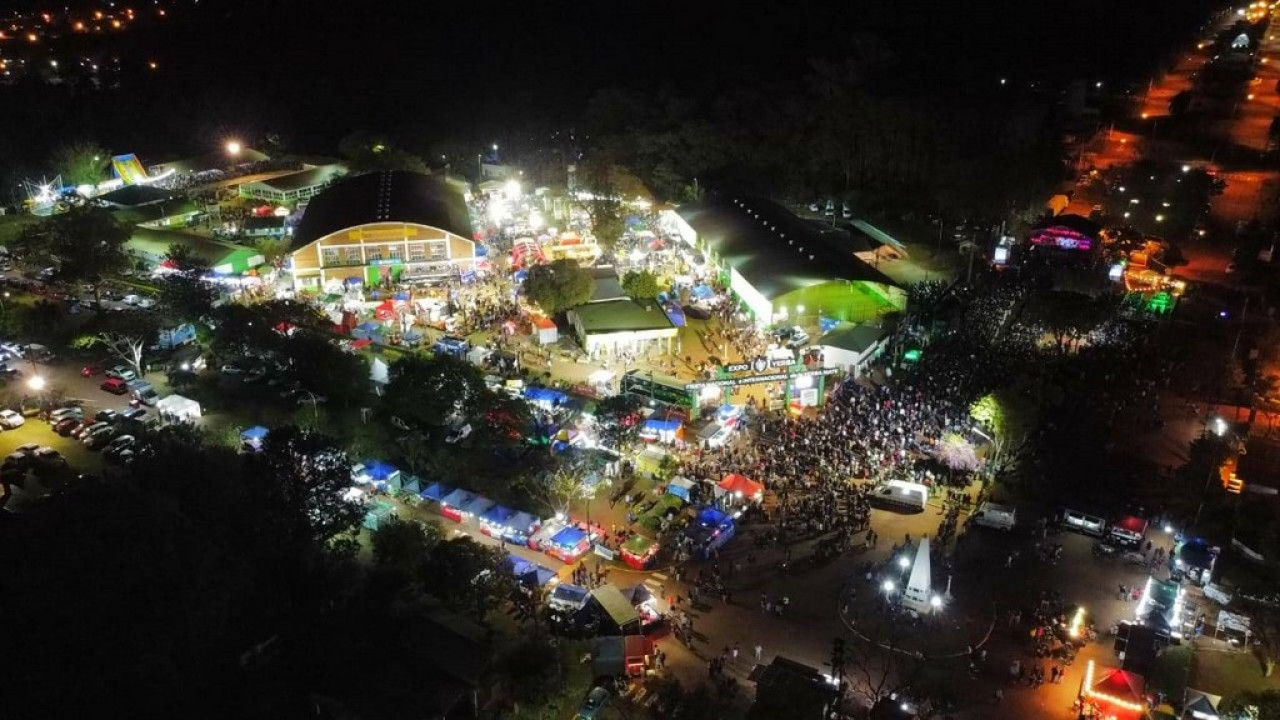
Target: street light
(36, 383)
(935, 602)
(887, 586)
(903, 562)
(233, 148)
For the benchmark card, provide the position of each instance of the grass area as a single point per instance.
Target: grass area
(1229, 673)
(12, 225)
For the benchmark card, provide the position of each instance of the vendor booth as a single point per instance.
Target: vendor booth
(253, 438)
(653, 610)
(682, 488)
(529, 574)
(1115, 693)
(176, 408)
(639, 551)
(539, 539)
(1194, 559)
(374, 472)
(662, 430)
(618, 609)
(545, 398)
(519, 528)
(494, 520)
(544, 330)
(452, 504)
(1129, 530)
(740, 487)
(436, 492)
(568, 545)
(620, 656)
(710, 531)
(378, 514)
(568, 598)
(478, 506)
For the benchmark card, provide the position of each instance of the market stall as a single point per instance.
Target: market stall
(1115, 693)
(548, 530)
(451, 505)
(375, 473)
(377, 515)
(653, 610)
(639, 551)
(494, 520)
(740, 487)
(436, 492)
(519, 528)
(681, 487)
(477, 506)
(710, 531)
(568, 545)
(252, 438)
(663, 430)
(176, 408)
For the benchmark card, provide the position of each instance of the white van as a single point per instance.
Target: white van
(999, 517)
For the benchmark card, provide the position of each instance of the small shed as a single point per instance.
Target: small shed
(544, 330)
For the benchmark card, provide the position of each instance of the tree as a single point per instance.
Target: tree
(84, 243)
(641, 286)
(559, 285)
(1252, 705)
(424, 393)
(80, 162)
(321, 366)
(403, 545)
(185, 297)
(619, 420)
(126, 335)
(1066, 315)
(559, 487)
(310, 476)
(467, 576)
(368, 152)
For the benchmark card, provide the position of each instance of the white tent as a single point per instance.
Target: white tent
(178, 407)
(379, 372)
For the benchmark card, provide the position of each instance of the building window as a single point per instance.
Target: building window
(439, 251)
(417, 252)
(372, 253)
(395, 252)
(353, 256)
(329, 256)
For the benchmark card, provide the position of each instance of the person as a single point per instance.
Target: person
(759, 650)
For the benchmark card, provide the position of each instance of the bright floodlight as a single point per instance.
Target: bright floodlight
(1219, 426)
(1168, 528)
(512, 189)
(1186, 168)
(233, 148)
(887, 586)
(36, 383)
(935, 601)
(903, 562)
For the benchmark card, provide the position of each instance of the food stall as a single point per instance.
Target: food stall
(436, 492)
(663, 430)
(494, 520)
(374, 472)
(451, 505)
(253, 438)
(478, 506)
(520, 527)
(710, 531)
(653, 610)
(1113, 693)
(568, 545)
(1129, 530)
(681, 487)
(549, 529)
(639, 551)
(735, 487)
(620, 656)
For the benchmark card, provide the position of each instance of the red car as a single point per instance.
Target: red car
(115, 386)
(91, 370)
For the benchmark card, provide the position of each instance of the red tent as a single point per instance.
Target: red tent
(385, 311)
(1119, 692)
(740, 485)
(361, 344)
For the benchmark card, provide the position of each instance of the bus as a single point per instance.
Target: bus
(647, 387)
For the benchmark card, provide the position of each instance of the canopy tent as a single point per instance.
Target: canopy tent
(1120, 692)
(406, 483)
(681, 487)
(519, 527)
(1199, 705)
(661, 430)
(518, 565)
(729, 414)
(568, 545)
(617, 607)
(702, 292)
(178, 407)
(478, 506)
(254, 436)
(494, 520)
(375, 471)
(451, 506)
(741, 486)
(378, 514)
(711, 530)
(437, 492)
(545, 397)
(639, 551)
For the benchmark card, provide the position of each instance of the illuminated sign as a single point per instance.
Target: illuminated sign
(759, 364)
(759, 379)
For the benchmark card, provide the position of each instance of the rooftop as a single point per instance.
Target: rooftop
(620, 316)
(303, 178)
(155, 243)
(385, 197)
(857, 338)
(774, 249)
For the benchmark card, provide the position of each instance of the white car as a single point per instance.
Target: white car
(10, 419)
(146, 303)
(123, 373)
(130, 299)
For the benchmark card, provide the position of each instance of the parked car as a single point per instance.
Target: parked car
(107, 416)
(78, 428)
(90, 427)
(91, 370)
(48, 456)
(64, 426)
(146, 303)
(10, 420)
(98, 438)
(115, 386)
(594, 704)
(121, 372)
(256, 375)
(134, 414)
(121, 443)
(130, 299)
(65, 413)
(231, 369)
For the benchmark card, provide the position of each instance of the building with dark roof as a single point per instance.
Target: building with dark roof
(622, 325)
(384, 226)
(780, 266)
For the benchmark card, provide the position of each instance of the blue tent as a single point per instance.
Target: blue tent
(412, 337)
(544, 575)
(545, 396)
(437, 492)
(401, 296)
(569, 537)
(379, 470)
(519, 276)
(482, 250)
(256, 433)
(674, 314)
(712, 518)
(518, 565)
(458, 498)
(497, 515)
(702, 292)
(477, 506)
